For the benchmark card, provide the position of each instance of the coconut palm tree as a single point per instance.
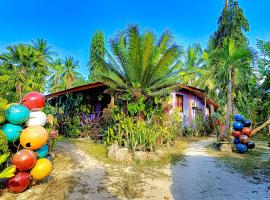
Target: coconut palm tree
(70, 74)
(57, 69)
(194, 63)
(140, 64)
(228, 64)
(44, 49)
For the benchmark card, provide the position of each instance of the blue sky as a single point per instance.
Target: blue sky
(68, 25)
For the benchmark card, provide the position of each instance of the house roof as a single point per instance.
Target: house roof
(201, 94)
(91, 86)
(76, 89)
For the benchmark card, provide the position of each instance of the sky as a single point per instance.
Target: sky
(68, 25)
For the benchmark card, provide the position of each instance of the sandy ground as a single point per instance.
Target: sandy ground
(90, 176)
(202, 177)
(199, 176)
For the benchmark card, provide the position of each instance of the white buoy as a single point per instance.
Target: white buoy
(36, 118)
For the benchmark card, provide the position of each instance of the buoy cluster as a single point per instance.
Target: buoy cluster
(25, 123)
(242, 133)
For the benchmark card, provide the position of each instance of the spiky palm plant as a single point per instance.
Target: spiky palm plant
(141, 64)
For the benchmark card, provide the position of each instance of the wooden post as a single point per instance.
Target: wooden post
(212, 111)
(261, 127)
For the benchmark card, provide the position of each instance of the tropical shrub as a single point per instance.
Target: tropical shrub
(158, 128)
(200, 127)
(134, 135)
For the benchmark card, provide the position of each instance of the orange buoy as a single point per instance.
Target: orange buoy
(33, 137)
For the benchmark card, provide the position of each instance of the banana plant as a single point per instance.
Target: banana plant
(9, 171)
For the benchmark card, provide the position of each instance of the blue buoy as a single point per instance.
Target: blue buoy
(12, 132)
(237, 125)
(43, 151)
(236, 141)
(17, 114)
(238, 117)
(246, 123)
(241, 148)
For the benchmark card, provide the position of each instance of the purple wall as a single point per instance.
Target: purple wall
(188, 111)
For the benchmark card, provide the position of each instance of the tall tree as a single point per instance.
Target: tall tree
(229, 64)
(231, 25)
(97, 50)
(264, 72)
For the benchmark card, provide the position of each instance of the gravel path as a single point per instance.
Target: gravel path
(200, 176)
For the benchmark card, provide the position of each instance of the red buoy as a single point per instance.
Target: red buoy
(244, 139)
(246, 131)
(236, 134)
(19, 182)
(34, 101)
(24, 160)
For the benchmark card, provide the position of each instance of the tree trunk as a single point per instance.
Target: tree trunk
(229, 105)
(226, 4)
(234, 109)
(261, 126)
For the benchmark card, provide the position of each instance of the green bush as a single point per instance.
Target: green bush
(199, 127)
(132, 134)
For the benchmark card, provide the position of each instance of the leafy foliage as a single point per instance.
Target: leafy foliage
(143, 135)
(9, 171)
(24, 69)
(231, 25)
(97, 50)
(64, 74)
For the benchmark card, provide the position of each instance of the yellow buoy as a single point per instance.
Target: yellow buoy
(42, 169)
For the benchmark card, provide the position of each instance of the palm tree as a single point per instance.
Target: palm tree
(194, 64)
(140, 64)
(70, 74)
(228, 64)
(57, 69)
(43, 48)
(26, 64)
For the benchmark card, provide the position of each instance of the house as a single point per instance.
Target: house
(189, 100)
(192, 101)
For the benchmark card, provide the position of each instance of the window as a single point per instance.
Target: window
(179, 102)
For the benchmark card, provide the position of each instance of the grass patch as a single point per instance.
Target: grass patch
(251, 163)
(261, 137)
(95, 150)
